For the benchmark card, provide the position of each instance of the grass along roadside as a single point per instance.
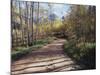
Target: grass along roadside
(21, 51)
(82, 52)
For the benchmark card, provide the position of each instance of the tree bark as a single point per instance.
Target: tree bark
(27, 24)
(12, 25)
(32, 19)
(20, 15)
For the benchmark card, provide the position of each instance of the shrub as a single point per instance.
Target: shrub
(81, 52)
(19, 53)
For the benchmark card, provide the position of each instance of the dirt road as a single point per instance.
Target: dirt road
(49, 58)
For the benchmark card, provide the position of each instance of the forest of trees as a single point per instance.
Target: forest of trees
(31, 22)
(80, 30)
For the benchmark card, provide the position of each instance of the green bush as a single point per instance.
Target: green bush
(44, 41)
(89, 57)
(19, 53)
(39, 42)
(81, 52)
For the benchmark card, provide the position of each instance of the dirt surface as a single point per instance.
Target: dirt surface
(49, 58)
